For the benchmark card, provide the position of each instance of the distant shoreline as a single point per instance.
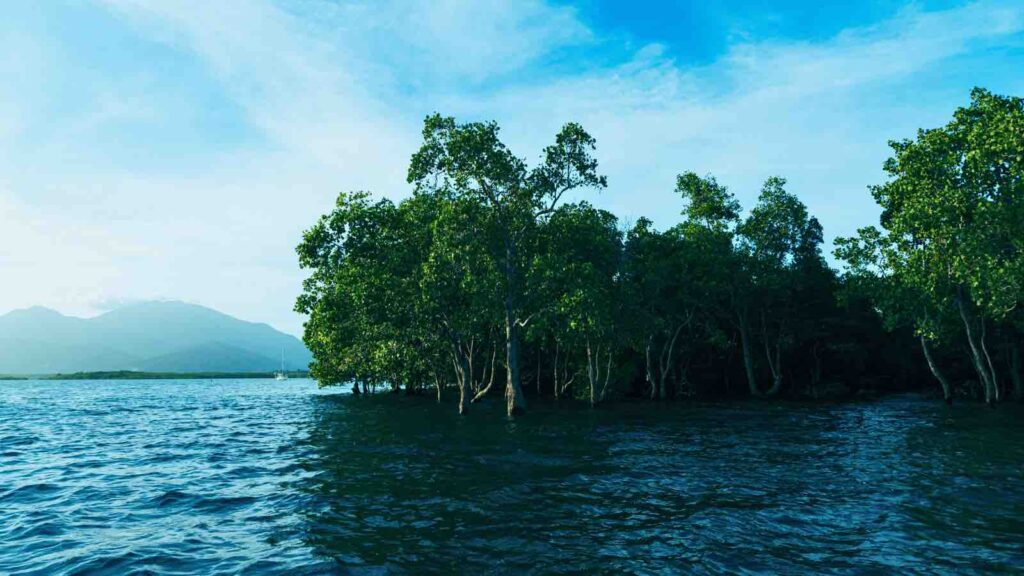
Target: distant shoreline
(135, 375)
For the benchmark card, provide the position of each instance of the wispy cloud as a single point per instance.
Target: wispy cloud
(336, 91)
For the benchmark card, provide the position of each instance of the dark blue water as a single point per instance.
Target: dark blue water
(208, 477)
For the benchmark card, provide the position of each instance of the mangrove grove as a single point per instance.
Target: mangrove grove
(487, 280)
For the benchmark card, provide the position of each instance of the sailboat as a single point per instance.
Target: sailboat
(281, 375)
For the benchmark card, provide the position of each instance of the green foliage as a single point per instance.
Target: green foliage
(953, 247)
(485, 260)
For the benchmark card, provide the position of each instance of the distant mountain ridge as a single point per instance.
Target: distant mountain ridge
(163, 336)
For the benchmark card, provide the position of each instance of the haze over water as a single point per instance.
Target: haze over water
(252, 476)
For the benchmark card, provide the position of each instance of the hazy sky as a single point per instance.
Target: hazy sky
(177, 149)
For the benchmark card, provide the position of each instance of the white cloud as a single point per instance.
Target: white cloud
(820, 114)
(338, 91)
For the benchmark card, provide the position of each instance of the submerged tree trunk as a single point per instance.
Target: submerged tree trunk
(515, 402)
(483, 391)
(1015, 372)
(650, 369)
(592, 373)
(748, 358)
(471, 382)
(774, 357)
(555, 380)
(979, 365)
(665, 362)
(463, 376)
(562, 380)
(607, 376)
(947, 390)
(774, 366)
(997, 392)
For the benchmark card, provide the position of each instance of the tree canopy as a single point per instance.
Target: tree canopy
(487, 273)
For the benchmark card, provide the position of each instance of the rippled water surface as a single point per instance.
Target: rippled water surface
(247, 476)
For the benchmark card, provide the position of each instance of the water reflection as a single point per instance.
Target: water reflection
(272, 477)
(895, 485)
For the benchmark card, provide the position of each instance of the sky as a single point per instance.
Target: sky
(176, 149)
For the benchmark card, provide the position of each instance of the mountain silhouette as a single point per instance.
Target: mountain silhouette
(150, 336)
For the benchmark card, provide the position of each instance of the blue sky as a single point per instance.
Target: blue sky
(177, 149)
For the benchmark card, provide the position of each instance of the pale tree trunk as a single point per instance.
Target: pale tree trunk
(1015, 372)
(462, 390)
(993, 377)
(555, 390)
(591, 372)
(665, 362)
(515, 402)
(478, 386)
(567, 378)
(462, 377)
(979, 365)
(562, 376)
(594, 373)
(607, 376)
(650, 368)
(775, 366)
(483, 392)
(748, 358)
(774, 362)
(473, 384)
(947, 390)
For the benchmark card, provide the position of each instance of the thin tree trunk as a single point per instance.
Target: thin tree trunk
(774, 364)
(665, 362)
(461, 377)
(590, 372)
(486, 389)
(515, 402)
(996, 389)
(355, 388)
(555, 376)
(662, 372)
(947, 390)
(1015, 372)
(748, 359)
(607, 376)
(776, 368)
(483, 375)
(470, 353)
(979, 366)
(650, 369)
(565, 376)
(462, 398)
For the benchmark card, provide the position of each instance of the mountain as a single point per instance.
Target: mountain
(150, 336)
(211, 357)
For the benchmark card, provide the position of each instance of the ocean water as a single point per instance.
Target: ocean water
(258, 476)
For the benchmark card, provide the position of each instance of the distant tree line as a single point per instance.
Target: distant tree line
(486, 279)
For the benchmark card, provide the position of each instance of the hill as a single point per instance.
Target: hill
(150, 336)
